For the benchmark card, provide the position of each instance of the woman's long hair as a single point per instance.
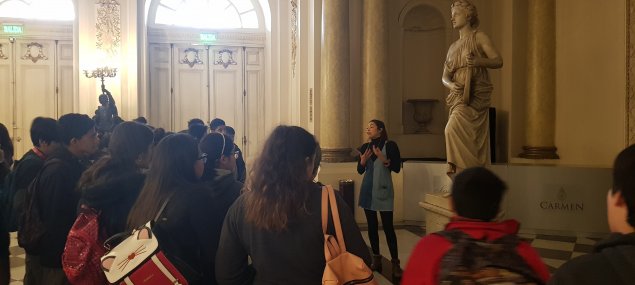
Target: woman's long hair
(214, 145)
(171, 169)
(128, 142)
(278, 186)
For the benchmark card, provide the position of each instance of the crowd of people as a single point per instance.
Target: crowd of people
(217, 230)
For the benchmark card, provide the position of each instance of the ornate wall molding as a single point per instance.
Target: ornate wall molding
(630, 73)
(108, 26)
(225, 57)
(156, 35)
(190, 57)
(294, 34)
(2, 56)
(34, 48)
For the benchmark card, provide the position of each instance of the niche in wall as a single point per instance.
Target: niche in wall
(424, 50)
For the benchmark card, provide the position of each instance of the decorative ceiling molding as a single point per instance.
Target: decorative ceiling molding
(294, 34)
(156, 35)
(108, 26)
(34, 48)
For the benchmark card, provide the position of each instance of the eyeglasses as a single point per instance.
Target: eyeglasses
(203, 157)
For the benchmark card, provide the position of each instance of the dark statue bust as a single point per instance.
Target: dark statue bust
(106, 114)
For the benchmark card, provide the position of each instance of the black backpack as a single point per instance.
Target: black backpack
(472, 261)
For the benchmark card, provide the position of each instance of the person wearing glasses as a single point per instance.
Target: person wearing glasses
(219, 158)
(187, 223)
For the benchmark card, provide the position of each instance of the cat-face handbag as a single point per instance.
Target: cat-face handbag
(139, 260)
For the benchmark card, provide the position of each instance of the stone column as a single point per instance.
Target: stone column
(375, 61)
(335, 82)
(541, 81)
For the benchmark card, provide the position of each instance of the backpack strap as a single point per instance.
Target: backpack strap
(328, 191)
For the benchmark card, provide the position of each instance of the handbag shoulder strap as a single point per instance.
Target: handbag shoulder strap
(165, 203)
(328, 191)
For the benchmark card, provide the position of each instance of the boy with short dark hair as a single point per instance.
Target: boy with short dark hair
(613, 259)
(56, 199)
(476, 197)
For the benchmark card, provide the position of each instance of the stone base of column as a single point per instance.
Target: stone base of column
(539, 152)
(337, 155)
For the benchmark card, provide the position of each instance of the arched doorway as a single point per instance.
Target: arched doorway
(36, 64)
(206, 60)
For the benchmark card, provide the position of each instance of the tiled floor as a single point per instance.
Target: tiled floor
(554, 250)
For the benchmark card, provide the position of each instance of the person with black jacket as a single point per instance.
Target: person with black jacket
(277, 220)
(112, 184)
(241, 167)
(56, 198)
(45, 139)
(377, 160)
(6, 159)
(220, 161)
(613, 259)
(187, 224)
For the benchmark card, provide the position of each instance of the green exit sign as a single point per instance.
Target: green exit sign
(13, 29)
(208, 37)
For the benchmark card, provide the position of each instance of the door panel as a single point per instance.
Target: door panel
(160, 86)
(226, 76)
(6, 84)
(64, 77)
(35, 87)
(255, 100)
(190, 85)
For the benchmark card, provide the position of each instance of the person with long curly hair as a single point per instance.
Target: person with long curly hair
(277, 220)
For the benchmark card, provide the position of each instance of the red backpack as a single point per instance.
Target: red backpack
(81, 259)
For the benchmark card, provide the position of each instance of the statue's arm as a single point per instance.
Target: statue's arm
(493, 59)
(112, 105)
(447, 81)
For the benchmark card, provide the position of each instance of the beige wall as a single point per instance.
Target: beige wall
(591, 81)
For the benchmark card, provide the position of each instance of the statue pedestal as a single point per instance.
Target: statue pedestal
(438, 211)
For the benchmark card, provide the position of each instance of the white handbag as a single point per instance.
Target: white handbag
(138, 260)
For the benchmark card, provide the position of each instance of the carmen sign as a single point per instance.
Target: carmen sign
(562, 204)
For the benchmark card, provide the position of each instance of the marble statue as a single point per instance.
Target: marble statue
(465, 75)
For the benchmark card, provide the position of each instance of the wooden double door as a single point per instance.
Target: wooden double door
(36, 79)
(206, 82)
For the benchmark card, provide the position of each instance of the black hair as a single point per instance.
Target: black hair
(215, 123)
(215, 145)
(141, 120)
(477, 193)
(6, 144)
(195, 121)
(380, 125)
(74, 126)
(624, 180)
(197, 131)
(230, 131)
(44, 129)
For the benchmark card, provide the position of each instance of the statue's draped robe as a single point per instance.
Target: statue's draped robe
(467, 132)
